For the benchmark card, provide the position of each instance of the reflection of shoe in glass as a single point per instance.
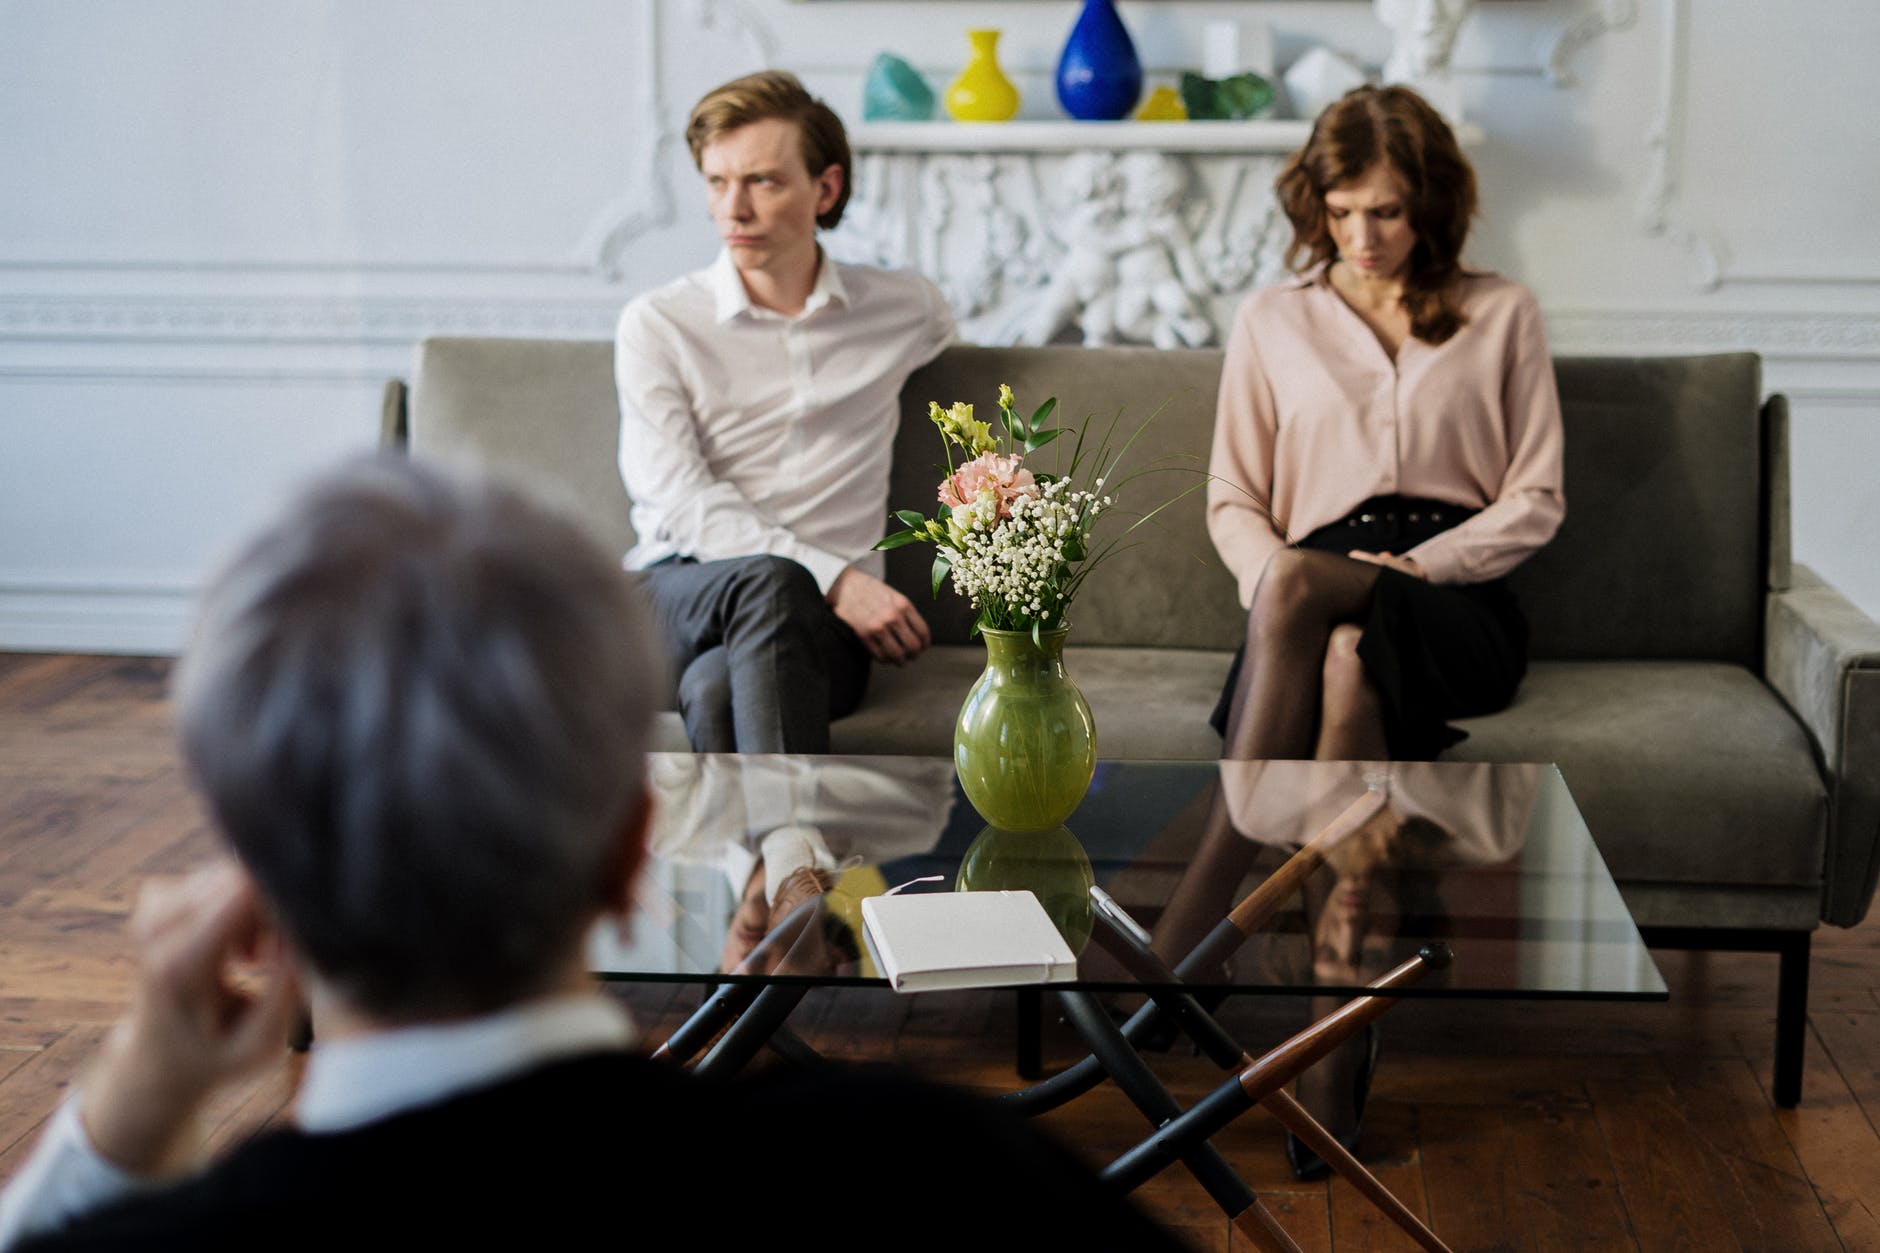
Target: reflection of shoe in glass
(1306, 1164)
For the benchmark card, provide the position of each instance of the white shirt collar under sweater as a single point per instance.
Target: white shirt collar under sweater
(350, 1083)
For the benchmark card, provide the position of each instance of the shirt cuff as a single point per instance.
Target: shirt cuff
(824, 567)
(1440, 564)
(64, 1180)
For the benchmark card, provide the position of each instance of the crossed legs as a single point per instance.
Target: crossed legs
(763, 662)
(1303, 692)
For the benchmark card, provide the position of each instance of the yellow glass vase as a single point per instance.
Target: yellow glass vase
(982, 92)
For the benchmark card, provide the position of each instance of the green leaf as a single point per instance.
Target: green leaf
(1074, 549)
(1044, 411)
(909, 518)
(940, 567)
(1040, 440)
(900, 539)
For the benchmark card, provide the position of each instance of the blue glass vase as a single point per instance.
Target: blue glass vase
(1099, 78)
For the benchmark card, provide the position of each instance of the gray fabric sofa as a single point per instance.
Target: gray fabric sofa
(1715, 710)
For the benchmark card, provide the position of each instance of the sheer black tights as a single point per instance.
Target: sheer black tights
(1303, 692)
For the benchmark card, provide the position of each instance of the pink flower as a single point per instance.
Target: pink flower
(1004, 477)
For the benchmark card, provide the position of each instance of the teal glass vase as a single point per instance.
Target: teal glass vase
(1024, 744)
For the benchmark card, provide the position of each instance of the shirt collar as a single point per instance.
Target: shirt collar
(352, 1082)
(1320, 276)
(729, 299)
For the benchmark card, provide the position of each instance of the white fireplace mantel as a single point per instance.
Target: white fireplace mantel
(1099, 232)
(1267, 136)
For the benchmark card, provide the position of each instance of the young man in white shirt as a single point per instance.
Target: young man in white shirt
(416, 707)
(759, 399)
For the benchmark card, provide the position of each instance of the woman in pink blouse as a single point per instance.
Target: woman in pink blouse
(1387, 447)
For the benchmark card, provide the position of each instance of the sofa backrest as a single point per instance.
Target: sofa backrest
(1167, 588)
(1674, 512)
(1665, 549)
(542, 410)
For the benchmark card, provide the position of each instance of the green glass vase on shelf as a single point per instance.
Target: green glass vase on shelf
(1024, 744)
(1051, 865)
(982, 92)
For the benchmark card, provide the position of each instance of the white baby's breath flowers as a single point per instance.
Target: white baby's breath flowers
(1022, 564)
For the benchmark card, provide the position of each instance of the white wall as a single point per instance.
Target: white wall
(227, 223)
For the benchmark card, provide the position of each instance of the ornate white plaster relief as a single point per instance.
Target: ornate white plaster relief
(1598, 17)
(1046, 234)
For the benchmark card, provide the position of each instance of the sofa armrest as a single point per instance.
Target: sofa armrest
(394, 417)
(1822, 655)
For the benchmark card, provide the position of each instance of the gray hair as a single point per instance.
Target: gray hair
(418, 706)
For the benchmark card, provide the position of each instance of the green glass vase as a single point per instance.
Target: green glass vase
(1024, 744)
(1052, 865)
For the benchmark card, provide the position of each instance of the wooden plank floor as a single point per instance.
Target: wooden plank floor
(1519, 1125)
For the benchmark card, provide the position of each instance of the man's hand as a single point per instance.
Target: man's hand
(1404, 564)
(889, 625)
(194, 1022)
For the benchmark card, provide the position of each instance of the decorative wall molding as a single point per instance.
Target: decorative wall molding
(735, 17)
(296, 319)
(647, 204)
(1599, 17)
(106, 619)
(1812, 336)
(1664, 144)
(1235, 245)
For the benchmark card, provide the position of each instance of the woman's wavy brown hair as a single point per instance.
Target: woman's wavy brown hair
(1398, 127)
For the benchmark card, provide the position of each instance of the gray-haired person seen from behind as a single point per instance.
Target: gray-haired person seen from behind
(416, 706)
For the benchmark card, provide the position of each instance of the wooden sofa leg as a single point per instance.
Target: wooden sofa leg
(1791, 1017)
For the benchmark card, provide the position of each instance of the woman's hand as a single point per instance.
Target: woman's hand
(1406, 565)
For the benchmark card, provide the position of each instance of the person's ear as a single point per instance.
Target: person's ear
(629, 856)
(829, 188)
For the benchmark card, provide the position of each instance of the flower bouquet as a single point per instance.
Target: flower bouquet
(1018, 540)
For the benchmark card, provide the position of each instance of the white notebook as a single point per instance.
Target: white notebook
(934, 940)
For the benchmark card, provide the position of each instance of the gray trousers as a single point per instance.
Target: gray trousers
(764, 664)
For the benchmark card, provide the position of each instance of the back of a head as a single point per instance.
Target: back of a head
(418, 705)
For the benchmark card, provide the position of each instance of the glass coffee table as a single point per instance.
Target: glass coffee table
(1346, 882)
(1493, 859)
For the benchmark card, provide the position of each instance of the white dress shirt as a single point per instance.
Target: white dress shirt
(348, 1084)
(744, 432)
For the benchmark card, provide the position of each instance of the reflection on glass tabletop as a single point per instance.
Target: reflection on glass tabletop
(759, 865)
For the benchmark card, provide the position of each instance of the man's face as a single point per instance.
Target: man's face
(763, 200)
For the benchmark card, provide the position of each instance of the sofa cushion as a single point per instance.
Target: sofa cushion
(1147, 702)
(1687, 772)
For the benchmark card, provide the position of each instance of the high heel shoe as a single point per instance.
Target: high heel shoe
(1307, 1165)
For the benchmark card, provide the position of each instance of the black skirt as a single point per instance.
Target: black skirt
(1433, 651)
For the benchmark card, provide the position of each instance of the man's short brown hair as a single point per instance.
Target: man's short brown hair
(778, 94)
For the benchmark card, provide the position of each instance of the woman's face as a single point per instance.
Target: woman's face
(1370, 225)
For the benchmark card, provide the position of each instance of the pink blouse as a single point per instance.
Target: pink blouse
(1314, 418)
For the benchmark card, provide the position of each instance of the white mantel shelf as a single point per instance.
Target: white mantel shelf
(1208, 137)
